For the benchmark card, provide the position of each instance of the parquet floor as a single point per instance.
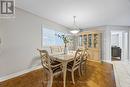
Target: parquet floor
(95, 75)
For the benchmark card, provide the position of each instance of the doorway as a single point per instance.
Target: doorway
(119, 46)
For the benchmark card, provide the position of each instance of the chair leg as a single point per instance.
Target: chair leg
(79, 69)
(45, 78)
(83, 68)
(50, 82)
(73, 77)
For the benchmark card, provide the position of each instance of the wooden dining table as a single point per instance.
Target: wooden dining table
(64, 59)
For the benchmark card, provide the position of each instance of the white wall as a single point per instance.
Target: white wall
(129, 44)
(21, 36)
(107, 45)
(115, 40)
(125, 46)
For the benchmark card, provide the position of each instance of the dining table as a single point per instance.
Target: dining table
(64, 59)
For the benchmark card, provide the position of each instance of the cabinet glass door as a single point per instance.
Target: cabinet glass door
(90, 40)
(85, 41)
(95, 42)
(80, 40)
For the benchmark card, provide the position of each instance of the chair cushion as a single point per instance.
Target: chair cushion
(56, 69)
(54, 62)
(70, 64)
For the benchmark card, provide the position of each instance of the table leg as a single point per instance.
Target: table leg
(64, 73)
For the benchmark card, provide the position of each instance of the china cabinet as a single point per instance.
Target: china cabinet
(92, 42)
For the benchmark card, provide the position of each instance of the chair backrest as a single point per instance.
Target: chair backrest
(85, 54)
(61, 48)
(56, 49)
(47, 48)
(45, 60)
(77, 59)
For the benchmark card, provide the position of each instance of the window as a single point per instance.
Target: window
(49, 37)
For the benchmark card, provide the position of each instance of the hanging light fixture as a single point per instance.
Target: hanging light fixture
(76, 30)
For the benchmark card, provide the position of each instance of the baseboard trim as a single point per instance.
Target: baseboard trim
(94, 60)
(19, 73)
(108, 61)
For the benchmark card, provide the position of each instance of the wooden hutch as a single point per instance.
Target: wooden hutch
(91, 41)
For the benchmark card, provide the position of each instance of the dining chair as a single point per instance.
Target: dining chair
(84, 59)
(75, 64)
(55, 49)
(62, 49)
(52, 67)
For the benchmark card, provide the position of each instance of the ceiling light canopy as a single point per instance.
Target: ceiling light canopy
(76, 30)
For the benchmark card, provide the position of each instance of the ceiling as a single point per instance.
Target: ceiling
(89, 13)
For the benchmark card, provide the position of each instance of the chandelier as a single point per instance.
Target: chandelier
(76, 28)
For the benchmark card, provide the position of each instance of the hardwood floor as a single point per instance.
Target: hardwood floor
(95, 75)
